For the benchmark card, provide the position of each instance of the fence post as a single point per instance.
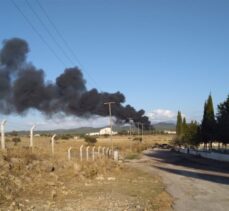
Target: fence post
(104, 151)
(81, 152)
(69, 153)
(93, 153)
(31, 136)
(53, 139)
(87, 152)
(116, 155)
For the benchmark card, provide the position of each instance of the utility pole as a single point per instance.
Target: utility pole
(109, 104)
(130, 126)
(138, 129)
(142, 131)
(130, 134)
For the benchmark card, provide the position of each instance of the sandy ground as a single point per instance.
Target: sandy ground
(195, 183)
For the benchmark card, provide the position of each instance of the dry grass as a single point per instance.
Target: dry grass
(125, 144)
(38, 179)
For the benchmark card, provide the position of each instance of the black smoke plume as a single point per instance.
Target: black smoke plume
(23, 86)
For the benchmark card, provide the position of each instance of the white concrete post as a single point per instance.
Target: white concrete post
(3, 134)
(53, 139)
(93, 153)
(116, 155)
(69, 153)
(81, 152)
(31, 136)
(87, 149)
(104, 150)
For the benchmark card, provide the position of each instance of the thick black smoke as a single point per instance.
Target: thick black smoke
(22, 86)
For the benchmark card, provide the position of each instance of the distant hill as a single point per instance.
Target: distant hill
(165, 126)
(81, 130)
(159, 126)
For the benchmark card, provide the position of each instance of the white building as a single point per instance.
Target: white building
(93, 134)
(103, 131)
(169, 132)
(107, 131)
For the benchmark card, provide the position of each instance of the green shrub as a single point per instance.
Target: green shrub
(137, 139)
(64, 137)
(90, 139)
(16, 140)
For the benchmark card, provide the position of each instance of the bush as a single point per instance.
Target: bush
(16, 140)
(137, 139)
(64, 137)
(123, 132)
(13, 133)
(90, 139)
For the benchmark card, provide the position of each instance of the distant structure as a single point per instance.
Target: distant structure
(169, 132)
(93, 134)
(103, 131)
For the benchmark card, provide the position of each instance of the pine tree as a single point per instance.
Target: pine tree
(208, 126)
(223, 121)
(179, 124)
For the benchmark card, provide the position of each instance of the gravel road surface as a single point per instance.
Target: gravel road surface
(195, 183)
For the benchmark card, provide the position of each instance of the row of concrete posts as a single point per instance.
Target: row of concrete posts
(100, 152)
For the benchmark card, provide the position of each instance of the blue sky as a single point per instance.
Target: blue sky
(163, 55)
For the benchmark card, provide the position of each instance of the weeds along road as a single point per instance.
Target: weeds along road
(194, 183)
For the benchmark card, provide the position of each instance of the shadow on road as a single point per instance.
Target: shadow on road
(217, 171)
(203, 176)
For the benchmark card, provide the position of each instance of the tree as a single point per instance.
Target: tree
(90, 140)
(223, 121)
(179, 124)
(208, 126)
(184, 126)
(191, 135)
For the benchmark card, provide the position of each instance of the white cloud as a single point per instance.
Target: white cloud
(16, 122)
(72, 122)
(162, 115)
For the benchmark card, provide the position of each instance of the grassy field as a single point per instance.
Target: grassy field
(39, 181)
(124, 144)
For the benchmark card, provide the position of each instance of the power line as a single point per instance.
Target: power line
(38, 33)
(48, 31)
(65, 42)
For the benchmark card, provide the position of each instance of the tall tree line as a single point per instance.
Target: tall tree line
(212, 128)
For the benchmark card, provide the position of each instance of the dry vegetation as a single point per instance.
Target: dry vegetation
(37, 181)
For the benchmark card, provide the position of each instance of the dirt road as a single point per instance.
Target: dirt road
(195, 183)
